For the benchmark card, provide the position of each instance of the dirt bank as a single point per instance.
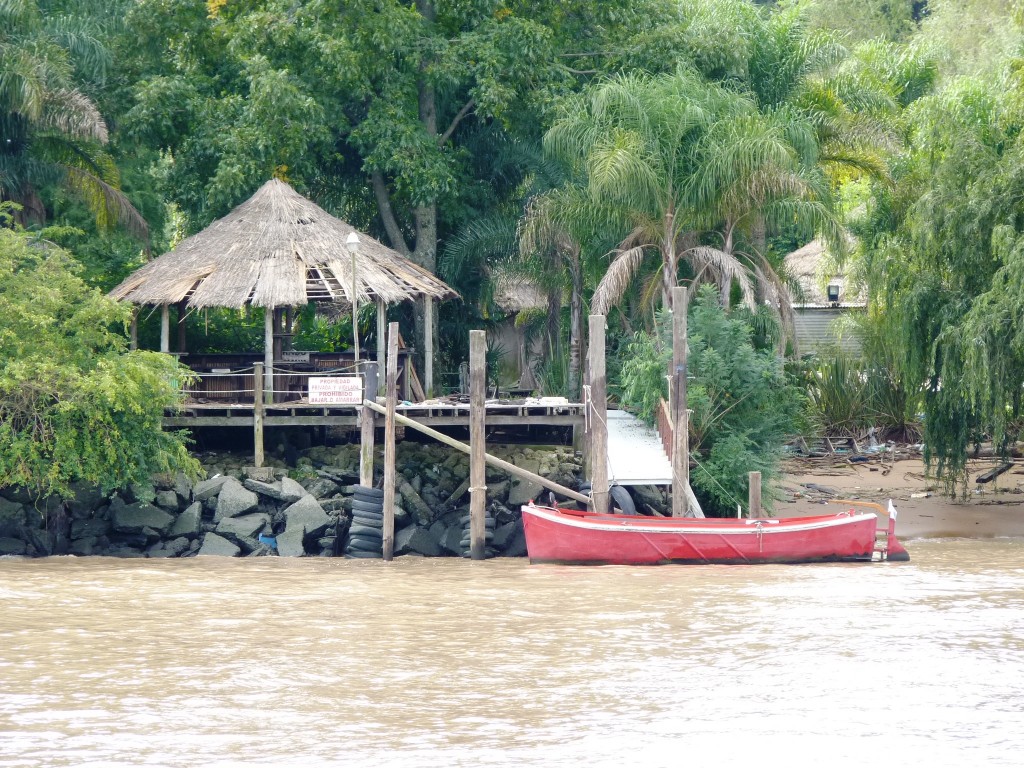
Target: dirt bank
(993, 509)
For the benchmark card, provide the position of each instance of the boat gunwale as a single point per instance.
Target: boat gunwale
(695, 526)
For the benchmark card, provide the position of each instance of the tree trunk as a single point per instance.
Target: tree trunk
(670, 260)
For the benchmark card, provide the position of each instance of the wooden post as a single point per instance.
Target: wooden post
(367, 423)
(599, 417)
(165, 328)
(133, 334)
(382, 329)
(268, 354)
(428, 346)
(182, 314)
(754, 503)
(389, 442)
(477, 442)
(680, 414)
(257, 414)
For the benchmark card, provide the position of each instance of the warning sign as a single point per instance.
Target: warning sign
(335, 390)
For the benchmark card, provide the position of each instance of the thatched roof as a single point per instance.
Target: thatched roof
(519, 295)
(809, 266)
(277, 249)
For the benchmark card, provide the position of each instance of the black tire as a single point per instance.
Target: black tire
(368, 493)
(367, 499)
(363, 545)
(622, 499)
(369, 522)
(365, 530)
(364, 506)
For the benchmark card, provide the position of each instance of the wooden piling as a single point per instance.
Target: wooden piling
(182, 315)
(367, 423)
(268, 355)
(477, 442)
(133, 334)
(680, 414)
(257, 414)
(428, 346)
(754, 498)
(165, 328)
(389, 442)
(599, 417)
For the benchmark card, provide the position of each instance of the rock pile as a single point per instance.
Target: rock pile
(315, 509)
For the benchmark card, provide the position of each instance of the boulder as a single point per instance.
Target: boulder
(246, 525)
(234, 500)
(516, 544)
(413, 539)
(9, 546)
(84, 498)
(270, 490)
(523, 490)
(448, 537)
(289, 543)
(12, 518)
(177, 546)
(142, 493)
(188, 522)
(91, 528)
(167, 500)
(307, 515)
(183, 488)
(207, 489)
(320, 488)
(415, 504)
(84, 547)
(291, 491)
(504, 534)
(218, 545)
(134, 518)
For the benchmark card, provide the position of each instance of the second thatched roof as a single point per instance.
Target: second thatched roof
(277, 249)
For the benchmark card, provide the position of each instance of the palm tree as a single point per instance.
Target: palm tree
(51, 131)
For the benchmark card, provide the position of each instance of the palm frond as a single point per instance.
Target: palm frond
(721, 266)
(616, 280)
(110, 204)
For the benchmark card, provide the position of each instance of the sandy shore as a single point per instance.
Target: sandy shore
(993, 509)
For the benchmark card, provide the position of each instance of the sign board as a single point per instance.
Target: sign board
(291, 356)
(335, 390)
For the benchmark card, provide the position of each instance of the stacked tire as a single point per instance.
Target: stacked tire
(366, 533)
(489, 523)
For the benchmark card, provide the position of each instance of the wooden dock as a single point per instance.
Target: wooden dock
(300, 413)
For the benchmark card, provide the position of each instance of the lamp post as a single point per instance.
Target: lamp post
(352, 242)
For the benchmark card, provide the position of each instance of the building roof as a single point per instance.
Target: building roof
(278, 249)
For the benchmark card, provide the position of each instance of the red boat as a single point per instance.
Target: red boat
(567, 536)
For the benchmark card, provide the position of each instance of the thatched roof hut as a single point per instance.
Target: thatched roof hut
(810, 266)
(277, 249)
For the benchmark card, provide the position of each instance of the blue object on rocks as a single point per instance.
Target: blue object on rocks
(270, 541)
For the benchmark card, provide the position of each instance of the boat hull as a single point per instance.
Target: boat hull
(569, 537)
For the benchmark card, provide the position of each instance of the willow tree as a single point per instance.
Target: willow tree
(944, 257)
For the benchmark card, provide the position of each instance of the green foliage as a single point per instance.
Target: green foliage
(742, 404)
(74, 405)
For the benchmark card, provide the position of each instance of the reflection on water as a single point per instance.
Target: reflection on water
(218, 662)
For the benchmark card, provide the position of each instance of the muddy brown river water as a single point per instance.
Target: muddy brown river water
(273, 662)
